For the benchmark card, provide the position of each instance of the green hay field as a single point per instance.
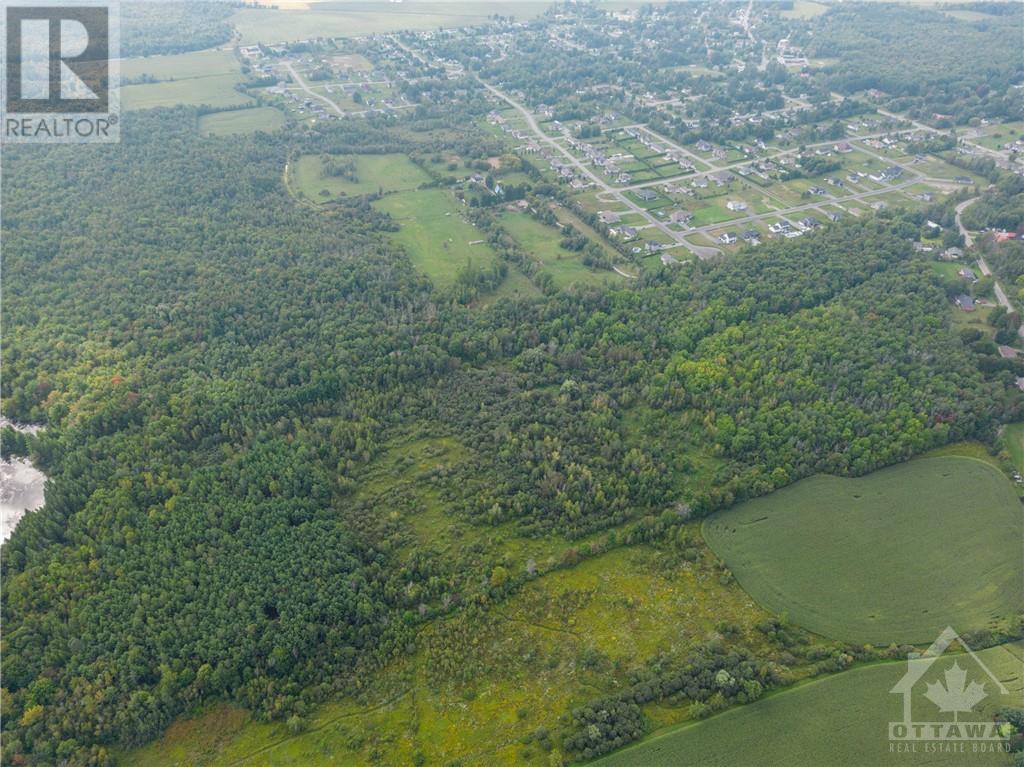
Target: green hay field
(241, 121)
(542, 242)
(374, 172)
(181, 66)
(891, 557)
(435, 235)
(214, 91)
(203, 77)
(838, 721)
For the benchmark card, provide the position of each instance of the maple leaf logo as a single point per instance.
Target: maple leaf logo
(956, 695)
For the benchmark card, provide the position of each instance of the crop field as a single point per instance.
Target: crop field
(838, 721)
(439, 241)
(241, 121)
(568, 636)
(891, 557)
(373, 172)
(354, 19)
(542, 242)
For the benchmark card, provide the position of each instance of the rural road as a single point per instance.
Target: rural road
(1001, 297)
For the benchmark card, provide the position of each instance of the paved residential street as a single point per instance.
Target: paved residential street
(312, 94)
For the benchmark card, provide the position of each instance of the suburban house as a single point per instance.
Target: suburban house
(608, 217)
(680, 217)
(968, 274)
(647, 195)
(843, 147)
(965, 302)
(727, 238)
(952, 254)
(964, 180)
(736, 205)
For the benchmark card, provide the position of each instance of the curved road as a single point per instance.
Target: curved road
(302, 84)
(982, 264)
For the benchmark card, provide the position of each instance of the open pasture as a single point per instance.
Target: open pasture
(438, 240)
(542, 242)
(241, 121)
(214, 91)
(371, 173)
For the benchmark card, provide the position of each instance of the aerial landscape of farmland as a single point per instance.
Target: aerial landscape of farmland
(477, 383)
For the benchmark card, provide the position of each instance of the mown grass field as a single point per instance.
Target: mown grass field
(891, 557)
(214, 91)
(181, 66)
(438, 240)
(1013, 436)
(542, 242)
(385, 172)
(202, 77)
(838, 721)
(241, 121)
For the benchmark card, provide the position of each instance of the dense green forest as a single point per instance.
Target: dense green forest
(919, 58)
(149, 28)
(217, 367)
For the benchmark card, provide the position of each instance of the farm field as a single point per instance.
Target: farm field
(203, 77)
(838, 721)
(805, 9)
(435, 235)
(354, 19)
(885, 540)
(241, 121)
(181, 66)
(373, 172)
(542, 242)
(214, 91)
